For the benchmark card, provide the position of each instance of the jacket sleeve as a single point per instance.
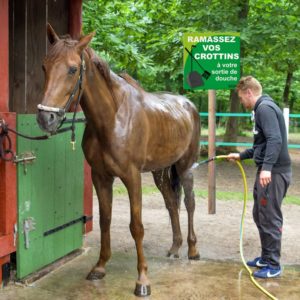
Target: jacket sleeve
(268, 121)
(248, 153)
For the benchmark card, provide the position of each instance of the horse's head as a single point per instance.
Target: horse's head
(64, 68)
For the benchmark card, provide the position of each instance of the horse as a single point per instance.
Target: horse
(128, 131)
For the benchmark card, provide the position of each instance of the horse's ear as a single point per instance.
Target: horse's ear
(52, 36)
(84, 41)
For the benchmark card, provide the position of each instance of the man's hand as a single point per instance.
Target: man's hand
(233, 156)
(264, 178)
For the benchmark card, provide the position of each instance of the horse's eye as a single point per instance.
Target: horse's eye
(72, 70)
(43, 68)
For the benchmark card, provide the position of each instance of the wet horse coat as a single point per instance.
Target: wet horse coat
(128, 131)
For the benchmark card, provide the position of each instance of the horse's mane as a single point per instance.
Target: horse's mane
(63, 45)
(66, 43)
(131, 81)
(101, 65)
(104, 70)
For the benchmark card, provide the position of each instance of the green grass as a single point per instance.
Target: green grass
(220, 131)
(203, 194)
(147, 190)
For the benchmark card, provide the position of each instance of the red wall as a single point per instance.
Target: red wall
(8, 199)
(75, 25)
(8, 188)
(4, 83)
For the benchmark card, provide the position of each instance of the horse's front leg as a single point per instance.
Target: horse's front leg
(133, 185)
(103, 186)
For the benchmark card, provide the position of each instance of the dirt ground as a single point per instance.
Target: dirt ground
(218, 234)
(219, 273)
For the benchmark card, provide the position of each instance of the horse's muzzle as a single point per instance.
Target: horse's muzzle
(49, 121)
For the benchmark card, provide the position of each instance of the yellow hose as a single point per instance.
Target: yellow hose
(242, 229)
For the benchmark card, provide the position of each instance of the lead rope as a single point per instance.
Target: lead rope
(6, 152)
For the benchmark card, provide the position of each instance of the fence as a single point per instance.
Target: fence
(231, 144)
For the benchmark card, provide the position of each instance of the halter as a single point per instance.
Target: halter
(62, 111)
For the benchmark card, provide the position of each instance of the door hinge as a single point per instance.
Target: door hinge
(83, 219)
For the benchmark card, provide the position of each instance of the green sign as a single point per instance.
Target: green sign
(211, 60)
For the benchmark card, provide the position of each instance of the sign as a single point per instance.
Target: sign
(211, 60)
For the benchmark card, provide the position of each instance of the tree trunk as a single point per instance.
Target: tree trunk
(232, 123)
(287, 88)
(231, 132)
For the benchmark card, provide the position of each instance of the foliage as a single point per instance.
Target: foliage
(144, 38)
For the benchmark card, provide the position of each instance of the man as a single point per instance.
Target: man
(270, 153)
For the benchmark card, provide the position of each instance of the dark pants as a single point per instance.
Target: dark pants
(268, 216)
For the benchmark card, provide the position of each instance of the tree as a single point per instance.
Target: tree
(277, 39)
(143, 38)
(231, 132)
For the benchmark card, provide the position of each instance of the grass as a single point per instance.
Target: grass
(203, 194)
(220, 131)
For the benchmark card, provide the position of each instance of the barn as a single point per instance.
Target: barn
(46, 190)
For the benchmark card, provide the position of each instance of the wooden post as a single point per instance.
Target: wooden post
(75, 23)
(75, 18)
(8, 199)
(286, 115)
(211, 151)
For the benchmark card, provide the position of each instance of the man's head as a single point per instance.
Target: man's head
(249, 90)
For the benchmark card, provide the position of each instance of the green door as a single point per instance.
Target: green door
(50, 197)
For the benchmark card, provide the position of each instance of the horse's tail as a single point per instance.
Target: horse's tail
(176, 185)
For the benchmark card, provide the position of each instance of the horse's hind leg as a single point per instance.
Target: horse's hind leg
(163, 182)
(103, 186)
(187, 181)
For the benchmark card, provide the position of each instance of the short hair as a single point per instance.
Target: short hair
(249, 82)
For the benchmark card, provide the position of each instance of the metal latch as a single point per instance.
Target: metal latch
(25, 158)
(28, 225)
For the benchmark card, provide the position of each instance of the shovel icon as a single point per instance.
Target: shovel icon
(194, 79)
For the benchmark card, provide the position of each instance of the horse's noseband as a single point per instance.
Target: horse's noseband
(59, 111)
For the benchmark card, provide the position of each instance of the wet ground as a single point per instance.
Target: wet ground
(170, 279)
(218, 275)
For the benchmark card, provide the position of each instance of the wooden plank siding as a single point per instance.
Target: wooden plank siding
(28, 47)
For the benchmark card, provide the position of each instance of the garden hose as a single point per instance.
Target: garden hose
(220, 157)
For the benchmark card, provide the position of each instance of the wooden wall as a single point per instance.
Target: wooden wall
(28, 47)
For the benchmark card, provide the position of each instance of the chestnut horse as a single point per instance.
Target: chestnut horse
(128, 131)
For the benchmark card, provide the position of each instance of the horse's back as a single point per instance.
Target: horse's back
(173, 128)
(168, 103)
(175, 113)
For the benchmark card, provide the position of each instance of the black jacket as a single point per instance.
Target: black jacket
(270, 149)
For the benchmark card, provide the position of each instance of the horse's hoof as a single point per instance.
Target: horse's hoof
(95, 275)
(142, 290)
(194, 257)
(172, 255)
